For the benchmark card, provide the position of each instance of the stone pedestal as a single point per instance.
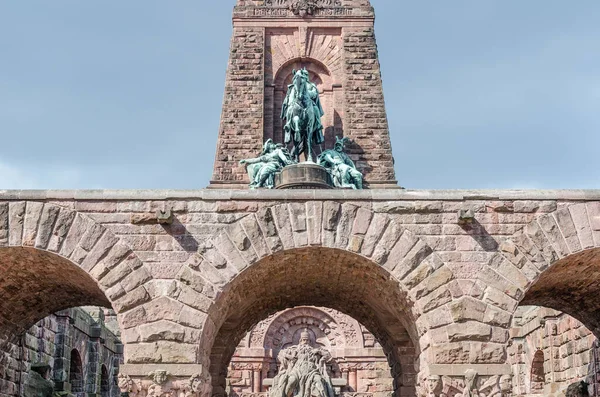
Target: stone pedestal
(303, 176)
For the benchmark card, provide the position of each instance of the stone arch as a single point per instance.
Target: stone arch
(537, 376)
(104, 382)
(76, 379)
(316, 69)
(554, 261)
(53, 258)
(291, 321)
(367, 246)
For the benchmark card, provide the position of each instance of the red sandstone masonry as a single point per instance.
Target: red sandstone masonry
(340, 52)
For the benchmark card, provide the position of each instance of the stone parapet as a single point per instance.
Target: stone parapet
(303, 195)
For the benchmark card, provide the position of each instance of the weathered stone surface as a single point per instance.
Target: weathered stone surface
(582, 224)
(16, 222)
(131, 299)
(467, 308)
(469, 331)
(568, 230)
(30, 225)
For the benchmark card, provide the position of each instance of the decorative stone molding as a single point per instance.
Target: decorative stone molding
(241, 366)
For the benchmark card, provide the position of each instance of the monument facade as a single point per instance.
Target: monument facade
(335, 42)
(439, 284)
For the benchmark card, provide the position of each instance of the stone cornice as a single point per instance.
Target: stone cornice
(303, 195)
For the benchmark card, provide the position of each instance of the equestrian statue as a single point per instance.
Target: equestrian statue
(302, 111)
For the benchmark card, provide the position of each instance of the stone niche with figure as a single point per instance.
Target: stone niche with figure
(335, 41)
(358, 363)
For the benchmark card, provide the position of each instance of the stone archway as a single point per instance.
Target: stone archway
(356, 355)
(380, 274)
(315, 276)
(555, 262)
(53, 258)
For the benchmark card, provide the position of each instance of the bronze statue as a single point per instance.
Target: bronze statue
(340, 166)
(302, 111)
(262, 169)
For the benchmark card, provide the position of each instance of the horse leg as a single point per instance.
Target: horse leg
(298, 137)
(309, 135)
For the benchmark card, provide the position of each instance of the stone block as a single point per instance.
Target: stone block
(254, 233)
(16, 219)
(469, 331)
(345, 224)
(132, 299)
(568, 229)
(162, 331)
(467, 308)
(582, 225)
(376, 229)
(33, 212)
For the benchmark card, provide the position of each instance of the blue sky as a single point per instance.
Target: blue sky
(127, 94)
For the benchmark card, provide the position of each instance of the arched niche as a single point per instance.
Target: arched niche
(314, 276)
(329, 93)
(537, 378)
(76, 372)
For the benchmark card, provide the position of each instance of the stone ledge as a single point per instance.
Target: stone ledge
(145, 369)
(302, 195)
(460, 369)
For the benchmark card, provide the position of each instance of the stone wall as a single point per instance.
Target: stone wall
(439, 272)
(52, 340)
(549, 351)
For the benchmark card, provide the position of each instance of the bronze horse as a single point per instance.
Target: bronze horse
(302, 111)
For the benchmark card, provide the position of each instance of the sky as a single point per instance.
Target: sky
(127, 94)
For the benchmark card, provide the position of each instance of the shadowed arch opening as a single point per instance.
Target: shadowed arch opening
(35, 283)
(538, 376)
(571, 285)
(313, 276)
(104, 382)
(76, 372)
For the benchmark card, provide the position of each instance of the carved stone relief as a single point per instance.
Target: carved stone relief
(160, 384)
(469, 385)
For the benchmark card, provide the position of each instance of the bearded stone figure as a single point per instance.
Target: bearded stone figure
(302, 372)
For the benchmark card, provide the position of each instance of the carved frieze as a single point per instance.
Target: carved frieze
(469, 385)
(160, 384)
(302, 8)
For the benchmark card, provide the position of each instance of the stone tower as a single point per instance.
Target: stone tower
(335, 41)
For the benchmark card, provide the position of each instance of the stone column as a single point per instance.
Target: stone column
(352, 379)
(256, 378)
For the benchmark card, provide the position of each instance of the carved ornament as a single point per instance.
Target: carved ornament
(303, 8)
(161, 385)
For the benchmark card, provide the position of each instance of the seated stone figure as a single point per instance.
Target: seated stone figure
(37, 383)
(579, 389)
(340, 166)
(262, 170)
(302, 372)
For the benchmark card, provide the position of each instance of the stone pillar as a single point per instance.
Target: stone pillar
(256, 378)
(62, 343)
(353, 379)
(92, 380)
